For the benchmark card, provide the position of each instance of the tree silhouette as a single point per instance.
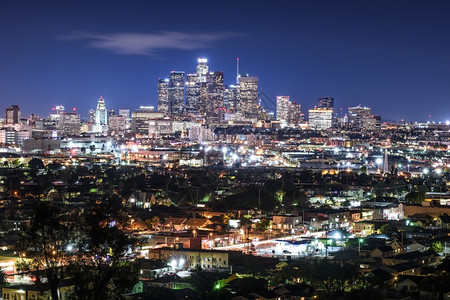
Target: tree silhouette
(43, 244)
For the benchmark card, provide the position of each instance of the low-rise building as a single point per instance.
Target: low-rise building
(189, 258)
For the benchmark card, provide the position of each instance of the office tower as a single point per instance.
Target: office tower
(283, 104)
(176, 93)
(325, 102)
(215, 92)
(248, 96)
(69, 123)
(140, 119)
(231, 97)
(320, 118)
(91, 116)
(204, 98)
(202, 69)
(295, 113)
(101, 116)
(124, 112)
(13, 114)
(111, 112)
(117, 124)
(357, 114)
(192, 94)
(163, 95)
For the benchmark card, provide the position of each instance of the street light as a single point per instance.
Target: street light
(359, 245)
(379, 161)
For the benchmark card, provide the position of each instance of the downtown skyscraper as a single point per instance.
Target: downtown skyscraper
(215, 93)
(203, 94)
(325, 102)
(202, 69)
(192, 93)
(163, 95)
(12, 114)
(248, 97)
(176, 93)
(283, 103)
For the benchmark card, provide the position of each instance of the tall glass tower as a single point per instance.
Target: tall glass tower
(176, 93)
(163, 95)
(202, 69)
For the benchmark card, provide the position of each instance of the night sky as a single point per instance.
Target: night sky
(393, 56)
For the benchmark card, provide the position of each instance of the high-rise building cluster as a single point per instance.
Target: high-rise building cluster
(288, 111)
(189, 106)
(203, 94)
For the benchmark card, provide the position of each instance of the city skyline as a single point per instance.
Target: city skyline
(388, 56)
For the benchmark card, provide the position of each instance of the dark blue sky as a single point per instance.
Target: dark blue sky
(393, 56)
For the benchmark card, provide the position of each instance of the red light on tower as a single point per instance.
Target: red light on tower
(53, 108)
(74, 109)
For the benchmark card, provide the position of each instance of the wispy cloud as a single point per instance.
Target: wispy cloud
(149, 43)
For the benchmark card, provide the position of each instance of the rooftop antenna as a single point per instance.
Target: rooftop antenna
(237, 70)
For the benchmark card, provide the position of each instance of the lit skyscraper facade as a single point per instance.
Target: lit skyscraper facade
(91, 116)
(248, 102)
(325, 102)
(320, 118)
(101, 116)
(192, 94)
(357, 114)
(295, 113)
(204, 98)
(202, 69)
(176, 93)
(231, 97)
(283, 104)
(163, 95)
(215, 92)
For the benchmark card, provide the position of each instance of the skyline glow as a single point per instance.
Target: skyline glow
(391, 56)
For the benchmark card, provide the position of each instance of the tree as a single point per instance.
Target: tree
(202, 281)
(387, 229)
(437, 246)
(35, 164)
(153, 223)
(44, 245)
(248, 285)
(262, 225)
(89, 249)
(333, 277)
(99, 268)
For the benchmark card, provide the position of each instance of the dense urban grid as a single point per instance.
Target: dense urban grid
(222, 192)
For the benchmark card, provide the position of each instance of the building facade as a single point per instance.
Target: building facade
(13, 114)
(163, 95)
(101, 116)
(176, 93)
(320, 118)
(248, 97)
(283, 103)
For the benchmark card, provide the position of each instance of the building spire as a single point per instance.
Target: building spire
(237, 70)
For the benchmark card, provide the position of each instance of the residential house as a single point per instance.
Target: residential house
(443, 221)
(407, 283)
(175, 224)
(301, 291)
